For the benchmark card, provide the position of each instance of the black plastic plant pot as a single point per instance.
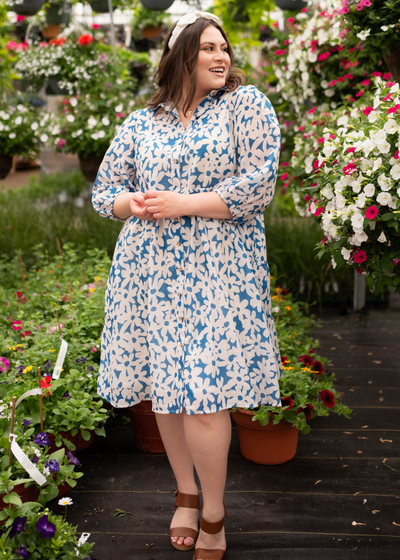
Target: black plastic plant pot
(58, 14)
(291, 4)
(5, 165)
(53, 87)
(27, 7)
(99, 6)
(157, 5)
(90, 165)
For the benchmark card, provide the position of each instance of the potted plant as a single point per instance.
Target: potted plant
(144, 427)
(31, 531)
(147, 25)
(157, 5)
(267, 434)
(18, 122)
(25, 7)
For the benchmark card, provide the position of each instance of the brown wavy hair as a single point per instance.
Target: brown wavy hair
(181, 60)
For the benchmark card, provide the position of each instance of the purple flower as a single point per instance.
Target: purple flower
(66, 395)
(35, 459)
(17, 526)
(46, 527)
(53, 465)
(42, 439)
(81, 360)
(21, 550)
(90, 368)
(72, 460)
(26, 423)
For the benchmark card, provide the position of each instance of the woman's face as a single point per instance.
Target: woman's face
(213, 61)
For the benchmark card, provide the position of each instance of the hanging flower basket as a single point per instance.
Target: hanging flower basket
(90, 165)
(291, 4)
(27, 7)
(152, 31)
(392, 60)
(272, 444)
(144, 427)
(53, 88)
(157, 4)
(5, 165)
(99, 6)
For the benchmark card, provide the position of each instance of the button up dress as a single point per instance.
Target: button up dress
(188, 321)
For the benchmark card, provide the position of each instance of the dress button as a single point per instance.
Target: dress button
(176, 219)
(180, 270)
(179, 294)
(175, 160)
(181, 318)
(179, 243)
(181, 345)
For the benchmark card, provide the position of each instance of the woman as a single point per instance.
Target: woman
(188, 319)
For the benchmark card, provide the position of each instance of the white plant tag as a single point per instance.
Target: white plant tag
(29, 393)
(60, 359)
(30, 468)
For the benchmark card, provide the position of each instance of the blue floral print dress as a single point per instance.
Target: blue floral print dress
(188, 321)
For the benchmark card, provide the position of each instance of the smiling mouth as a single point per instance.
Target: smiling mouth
(218, 71)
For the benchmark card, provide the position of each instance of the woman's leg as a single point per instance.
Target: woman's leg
(208, 437)
(173, 436)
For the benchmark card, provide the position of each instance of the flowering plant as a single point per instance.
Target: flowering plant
(88, 123)
(356, 189)
(33, 532)
(373, 23)
(18, 122)
(306, 386)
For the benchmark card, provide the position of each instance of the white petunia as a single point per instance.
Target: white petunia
(342, 121)
(372, 116)
(384, 198)
(393, 203)
(92, 122)
(395, 172)
(369, 190)
(12, 135)
(101, 134)
(398, 191)
(44, 138)
(394, 88)
(327, 192)
(70, 118)
(346, 253)
(105, 121)
(379, 137)
(377, 164)
(328, 149)
(384, 182)
(360, 202)
(18, 120)
(34, 126)
(46, 471)
(372, 225)
(382, 238)
(355, 185)
(334, 264)
(119, 108)
(364, 34)
(357, 220)
(340, 201)
(391, 126)
(73, 102)
(384, 147)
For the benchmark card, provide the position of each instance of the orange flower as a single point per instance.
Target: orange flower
(85, 39)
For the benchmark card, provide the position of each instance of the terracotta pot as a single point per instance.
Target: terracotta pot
(392, 60)
(145, 429)
(5, 165)
(51, 31)
(90, 165)
(152, 31)
(29, 494)
(266, 445)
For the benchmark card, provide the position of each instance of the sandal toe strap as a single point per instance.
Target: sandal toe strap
(183, 531)
(206, 554)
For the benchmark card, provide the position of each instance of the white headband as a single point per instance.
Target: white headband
(186, 20)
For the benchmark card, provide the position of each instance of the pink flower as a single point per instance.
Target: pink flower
(21, 18)
(368, 110)
(387, 76)
(394, 109)
(16, 325)
(366, 82)
(290, 20)
(396, 261)
(61, 143)
(396, 155)
(307, 198)
(366, 3)
(310, 112)
(333, 82)
(318, 211)
(26, 333)
(359, 7)
(321, 140)
(349, 168)
(360, 256)
(12, 46)
(350, 150)
(95, 26)
(304, 10)
(377, 74)
(280, 51)
(93, 349)
(349, 76)
(285, 164)
(371, 212)
(284, 176)
(19, 294)
(360, 93)
(387, 97)
(4, 364)
(324, 240)
(324, 56)
(120, 115)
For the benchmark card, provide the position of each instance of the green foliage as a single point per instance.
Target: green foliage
(144, 18)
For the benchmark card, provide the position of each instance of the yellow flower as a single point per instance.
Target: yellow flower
(287, 367)
(288, 308)
(50, 272)
(278, 290)
(19, 378)
(51, 350)
(274, 297)
(97, 278)
(19, 345)
(305, 369)
(28, 368)
(91, 290)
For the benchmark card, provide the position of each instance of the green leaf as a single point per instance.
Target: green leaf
(12, 498)
(388, 216)
(370, 282)
(85, 434)
(58, 455)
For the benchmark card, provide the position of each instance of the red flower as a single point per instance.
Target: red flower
(359, 270)
(360, 257)
(95, 26)
(371, 212)
(307, 411)
(46, 383)
(311, 111)
(387, 76)
(318, 367)
(341, 79)
(287, 402)
(19, 294)
(318, 211)
(368, 110)
(349, 76)
(25, 333)
(284, 176)
(280, 51)
(290, 20)
(349, 150)
(285, 164)
(16, 325)
(333, 82)
(284, 360)
(324, 56)
(85, 39)
(394, 109)
(387, 97)
(307, 198)
(347, 169)
(396, 154)
(360, 93)
(324, 240)
(366, 82)
(377, 74)
(307, 360)
(328, 398)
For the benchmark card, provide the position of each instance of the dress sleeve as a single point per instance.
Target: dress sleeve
(257, 141)
(116, 175)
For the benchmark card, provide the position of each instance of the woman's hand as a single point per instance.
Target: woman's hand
(164, 204)
(139, 208)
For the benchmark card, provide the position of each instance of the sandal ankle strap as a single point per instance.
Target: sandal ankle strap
(212, 528)
(187, 500)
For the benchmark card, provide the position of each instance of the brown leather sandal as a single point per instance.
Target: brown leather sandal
(189, 501)
(212, 529)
